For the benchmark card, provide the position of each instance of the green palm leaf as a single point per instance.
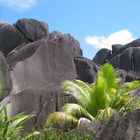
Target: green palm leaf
(103, 90)
(107, 72)
(77, 111)
(97, 100)
(78, 89)
(128, 87)
(18, 120)
(105, 114)
(60, 120)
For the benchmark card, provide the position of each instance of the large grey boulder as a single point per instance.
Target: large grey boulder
(86, 69)
(127, 57)
(37, 70)
(5, 79)
(120, 48)
(10, 38)
(127, 60)
(121, 127)
(35, 101)
(116, 47)
(102, 56)
(32, 29)
(41, 63)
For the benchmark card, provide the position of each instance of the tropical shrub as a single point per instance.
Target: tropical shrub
(99, 100)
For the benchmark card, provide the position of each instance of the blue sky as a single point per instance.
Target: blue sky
(94, 23)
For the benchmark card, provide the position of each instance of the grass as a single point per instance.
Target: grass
(54, 134)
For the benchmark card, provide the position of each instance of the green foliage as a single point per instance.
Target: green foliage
(101, 99)
(10, 127)
(1, 84)
(76, 110)
(54, 134)
(56, 119)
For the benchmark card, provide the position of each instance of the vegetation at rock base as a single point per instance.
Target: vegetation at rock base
(54, 134)
(99, 100)
(11, 128)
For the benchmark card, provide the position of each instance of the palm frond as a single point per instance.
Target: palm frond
(85, 86)
(77, 111)
(119, 100)
(18, 120)
(132, 104)
(103, 90)
(97, 100)
(78, 89)
(107, 72)
(60, 120)
(105, 114)
(128, 87)
(70, 87)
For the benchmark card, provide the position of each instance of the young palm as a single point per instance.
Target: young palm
(99, 100)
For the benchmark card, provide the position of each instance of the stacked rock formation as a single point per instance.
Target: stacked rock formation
(123, 57)
(37, 62)
(34, 62)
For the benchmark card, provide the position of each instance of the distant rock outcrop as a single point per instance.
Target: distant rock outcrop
(124, 57)
(102, 56)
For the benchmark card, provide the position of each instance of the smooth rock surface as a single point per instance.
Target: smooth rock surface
(86, 69)
(36, 101)
(41, 67)
(40, 64)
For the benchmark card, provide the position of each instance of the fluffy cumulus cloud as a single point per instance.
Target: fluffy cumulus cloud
(119, 37)
(18, 4)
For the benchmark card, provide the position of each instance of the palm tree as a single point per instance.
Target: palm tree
(99, 100)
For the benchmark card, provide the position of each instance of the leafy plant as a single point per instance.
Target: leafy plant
(99, 100)
(10, 127)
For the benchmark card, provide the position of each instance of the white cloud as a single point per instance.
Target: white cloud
(119, 37)
(18, 4)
